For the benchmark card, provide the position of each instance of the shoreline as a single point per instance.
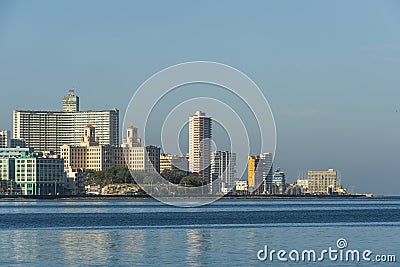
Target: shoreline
(147, 197)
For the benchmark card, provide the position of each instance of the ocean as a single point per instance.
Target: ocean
(228, 232)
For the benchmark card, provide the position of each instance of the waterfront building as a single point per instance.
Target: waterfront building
(241, 187)
(278, 183)
(200, 127)
(33, 173)
(75, 181)
(173, 162)
(4, 139)
(259, 173)
(223, 168)
(322, 182)
(303, 185)
(49, 130)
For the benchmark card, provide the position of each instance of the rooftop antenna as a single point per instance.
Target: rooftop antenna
(71, 91)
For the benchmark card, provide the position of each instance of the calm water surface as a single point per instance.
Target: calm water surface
(225, 233)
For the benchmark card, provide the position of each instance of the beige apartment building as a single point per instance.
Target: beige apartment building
(322, 182)
(90, 154)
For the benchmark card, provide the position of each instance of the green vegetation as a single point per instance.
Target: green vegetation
(114, 175)
(181, 178)
(121, 175)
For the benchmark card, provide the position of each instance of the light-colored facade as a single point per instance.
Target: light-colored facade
(322, 182)
(223, 166)
(173, 162)
(49, 130)
(90, 154)
(4, 139)
(132, 139)
(143, 158)
(71, 102)
(241, 187)
(136, 157)
(200, 127)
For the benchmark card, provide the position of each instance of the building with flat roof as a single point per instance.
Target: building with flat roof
(49, 130)
(322, 182)
(223, 168)
(32, 173)
(278, 182)
(200, 127)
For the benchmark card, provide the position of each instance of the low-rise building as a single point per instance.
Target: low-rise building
(241, 188)
(33, 173)
(75, 181)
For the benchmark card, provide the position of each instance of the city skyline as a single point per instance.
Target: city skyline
(329, 70)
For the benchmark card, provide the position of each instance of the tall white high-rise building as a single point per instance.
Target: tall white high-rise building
(200, 145)
(49, 130)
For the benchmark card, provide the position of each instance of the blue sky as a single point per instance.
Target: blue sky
(329, 69)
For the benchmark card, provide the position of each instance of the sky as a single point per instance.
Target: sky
(329, 69)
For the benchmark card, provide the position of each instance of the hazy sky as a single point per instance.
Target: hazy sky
(329, 69)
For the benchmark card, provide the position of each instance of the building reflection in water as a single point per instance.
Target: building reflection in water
(198, 242)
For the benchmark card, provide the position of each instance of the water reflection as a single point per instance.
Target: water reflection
(198, 243)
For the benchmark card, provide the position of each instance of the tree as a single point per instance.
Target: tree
(173, 176)
(192, 181)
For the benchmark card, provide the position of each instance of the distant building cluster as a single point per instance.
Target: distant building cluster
(50, 151)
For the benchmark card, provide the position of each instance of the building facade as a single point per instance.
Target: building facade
(49, 130)
(136, 157)
(75, 181)
(322, 182)
(173, 162)
(32, 173)
(200, 127)
(90, 154)
(278, 183)
(259, 173)
(4, 139)
(223, 168)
